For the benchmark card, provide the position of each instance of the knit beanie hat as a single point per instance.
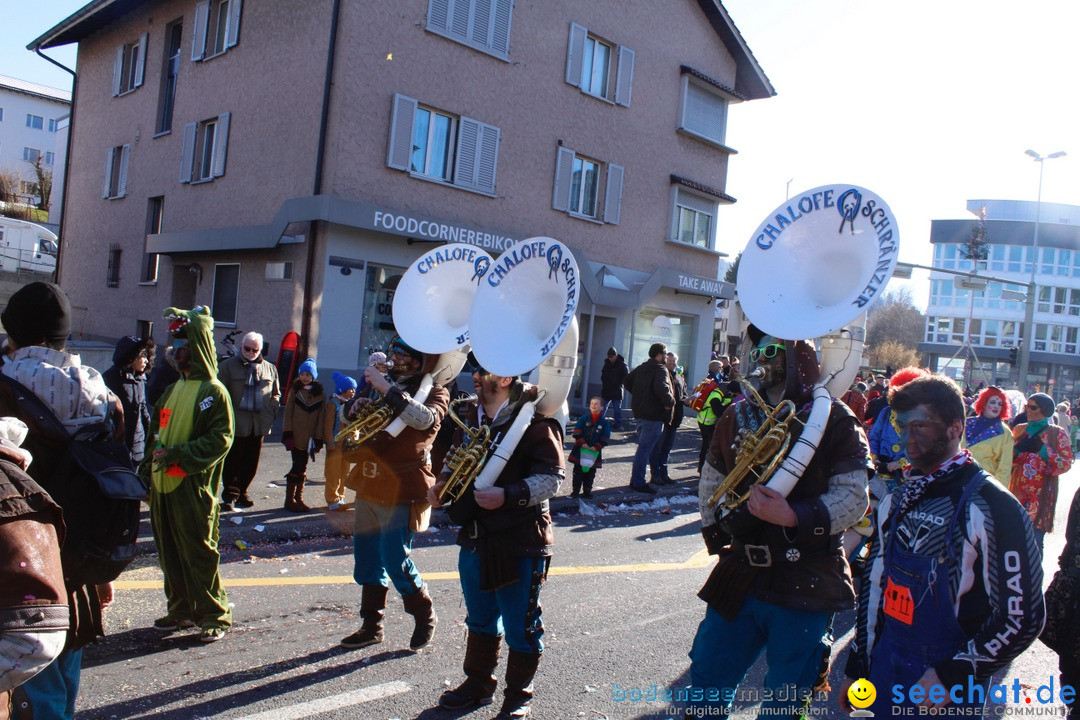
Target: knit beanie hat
(38, 313)
(612, 352)
(1045, 403)
(309, 366)
(343, 383)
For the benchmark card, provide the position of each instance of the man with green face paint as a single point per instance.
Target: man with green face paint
(954, 590)
(191, 431)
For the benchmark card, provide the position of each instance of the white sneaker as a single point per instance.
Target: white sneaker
(334, 505)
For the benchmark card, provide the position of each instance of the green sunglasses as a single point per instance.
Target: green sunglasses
(768, 352)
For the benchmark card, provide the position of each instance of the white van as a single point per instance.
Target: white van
(26, 247)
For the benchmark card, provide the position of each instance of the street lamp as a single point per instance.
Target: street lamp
(1029, 308)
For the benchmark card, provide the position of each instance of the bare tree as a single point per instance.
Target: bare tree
(9, 186)
(895, 319)
(44, 184)
(892, 354)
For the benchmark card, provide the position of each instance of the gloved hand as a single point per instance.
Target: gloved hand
(316, 446)
(715, 538)
(287, 441)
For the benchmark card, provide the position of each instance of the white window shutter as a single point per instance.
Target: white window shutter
(118, 71)
(487, 158)
(465, 162)
(232, 34)
(480, 23)
(624, 82)
(125, 157)
(399, 155)
(140, 61)
(704, 113)
(187, 159)
(458, 21)
(564, 169)
(202, 20)
(221, 144)
(613, 194)
(108, 173)
(438, 17)
(500, 34)
(575, 50)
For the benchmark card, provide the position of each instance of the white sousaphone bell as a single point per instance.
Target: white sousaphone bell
(811, 270)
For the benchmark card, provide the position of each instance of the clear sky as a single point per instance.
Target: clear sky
(926, 103)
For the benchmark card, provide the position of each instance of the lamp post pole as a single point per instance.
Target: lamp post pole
(1026, 344)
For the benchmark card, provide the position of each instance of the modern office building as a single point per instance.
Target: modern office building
(283, 162)
(32, 120)
(992, 318)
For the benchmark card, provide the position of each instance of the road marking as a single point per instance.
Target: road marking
(334, 702)
(698, 560)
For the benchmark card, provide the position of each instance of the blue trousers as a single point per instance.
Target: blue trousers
(658, 461)
(649, 433)
(795, 643)
(382, 545)
(52, 691)
(616, 412)
(512, 609)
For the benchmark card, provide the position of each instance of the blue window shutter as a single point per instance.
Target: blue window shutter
(108, 173)
(438, 17)
(221, 144)
(125, 157)
(399, 154)
(202, 19)
(232, 35)
(187, 158)
(624, 82)
(118, 70)
(613, 194)
(500, 36)
(564, 168)
(575, 50)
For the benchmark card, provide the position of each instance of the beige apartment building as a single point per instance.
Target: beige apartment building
(283, 162)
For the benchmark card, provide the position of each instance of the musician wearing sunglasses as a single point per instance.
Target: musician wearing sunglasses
(782, 575)
(954, 589)
(253, 385)
(506, 542)
(1041, 452)
(391, 477)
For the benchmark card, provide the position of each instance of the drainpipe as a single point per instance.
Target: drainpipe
(320, 156)
(67, 159)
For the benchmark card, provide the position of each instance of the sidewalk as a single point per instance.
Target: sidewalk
(278, 526)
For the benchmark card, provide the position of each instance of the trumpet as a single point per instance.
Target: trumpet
(760, 453)
(372, 418)
(467, 459)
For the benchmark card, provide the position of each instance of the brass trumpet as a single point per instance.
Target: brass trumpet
(760, 453)
(372, 418)
(467, 459)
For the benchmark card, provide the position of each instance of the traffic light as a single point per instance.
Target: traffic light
(1014, 356)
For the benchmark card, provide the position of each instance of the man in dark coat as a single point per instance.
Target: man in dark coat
(653, 402)
(612, 377)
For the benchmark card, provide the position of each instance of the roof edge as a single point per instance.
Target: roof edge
(751, 80)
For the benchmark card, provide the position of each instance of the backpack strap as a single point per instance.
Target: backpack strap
(32, 405)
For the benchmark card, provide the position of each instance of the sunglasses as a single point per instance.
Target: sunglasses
(249, 349)
(1032, 407)
(768, 352)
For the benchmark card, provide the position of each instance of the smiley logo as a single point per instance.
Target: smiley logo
(861, 693)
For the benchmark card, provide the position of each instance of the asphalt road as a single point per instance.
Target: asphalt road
(620, 610)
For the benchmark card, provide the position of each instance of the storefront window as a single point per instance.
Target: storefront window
(377, 321)
(652, 326)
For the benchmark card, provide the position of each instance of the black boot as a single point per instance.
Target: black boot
(518, 693)
(419, 606)
(481, 657)
(372, 609)
(587, 483)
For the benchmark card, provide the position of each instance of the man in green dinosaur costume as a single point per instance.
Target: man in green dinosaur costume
(190, 432)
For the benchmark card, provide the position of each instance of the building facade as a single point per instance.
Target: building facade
(283, 162)
(32, 120)
(992, 319)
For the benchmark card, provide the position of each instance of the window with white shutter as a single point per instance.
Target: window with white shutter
(432, 144)
(129, 67)
(216, 28)
(205, 148)
(483, 25)
(704, 111)
(578, 181)
(693, 218)
(599, 67)
(117, 159)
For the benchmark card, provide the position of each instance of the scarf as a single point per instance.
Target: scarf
(1036, 427)
(980, 428)
(249, 398)
(915, 484)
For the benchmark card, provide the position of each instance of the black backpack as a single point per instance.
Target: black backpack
(90, 475)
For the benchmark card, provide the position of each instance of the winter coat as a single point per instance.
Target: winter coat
(303, 419)
(653, 395)
(612, 376)
(233, 374)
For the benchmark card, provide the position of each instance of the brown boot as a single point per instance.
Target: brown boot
(518, 693)
(481, 657)
(419, 606)
(372, 609)
(294, 494)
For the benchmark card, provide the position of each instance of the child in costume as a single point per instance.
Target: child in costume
(302, 431)
(336, 467)
(591, 433)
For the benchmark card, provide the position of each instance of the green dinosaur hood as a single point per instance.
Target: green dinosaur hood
(197, 327)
